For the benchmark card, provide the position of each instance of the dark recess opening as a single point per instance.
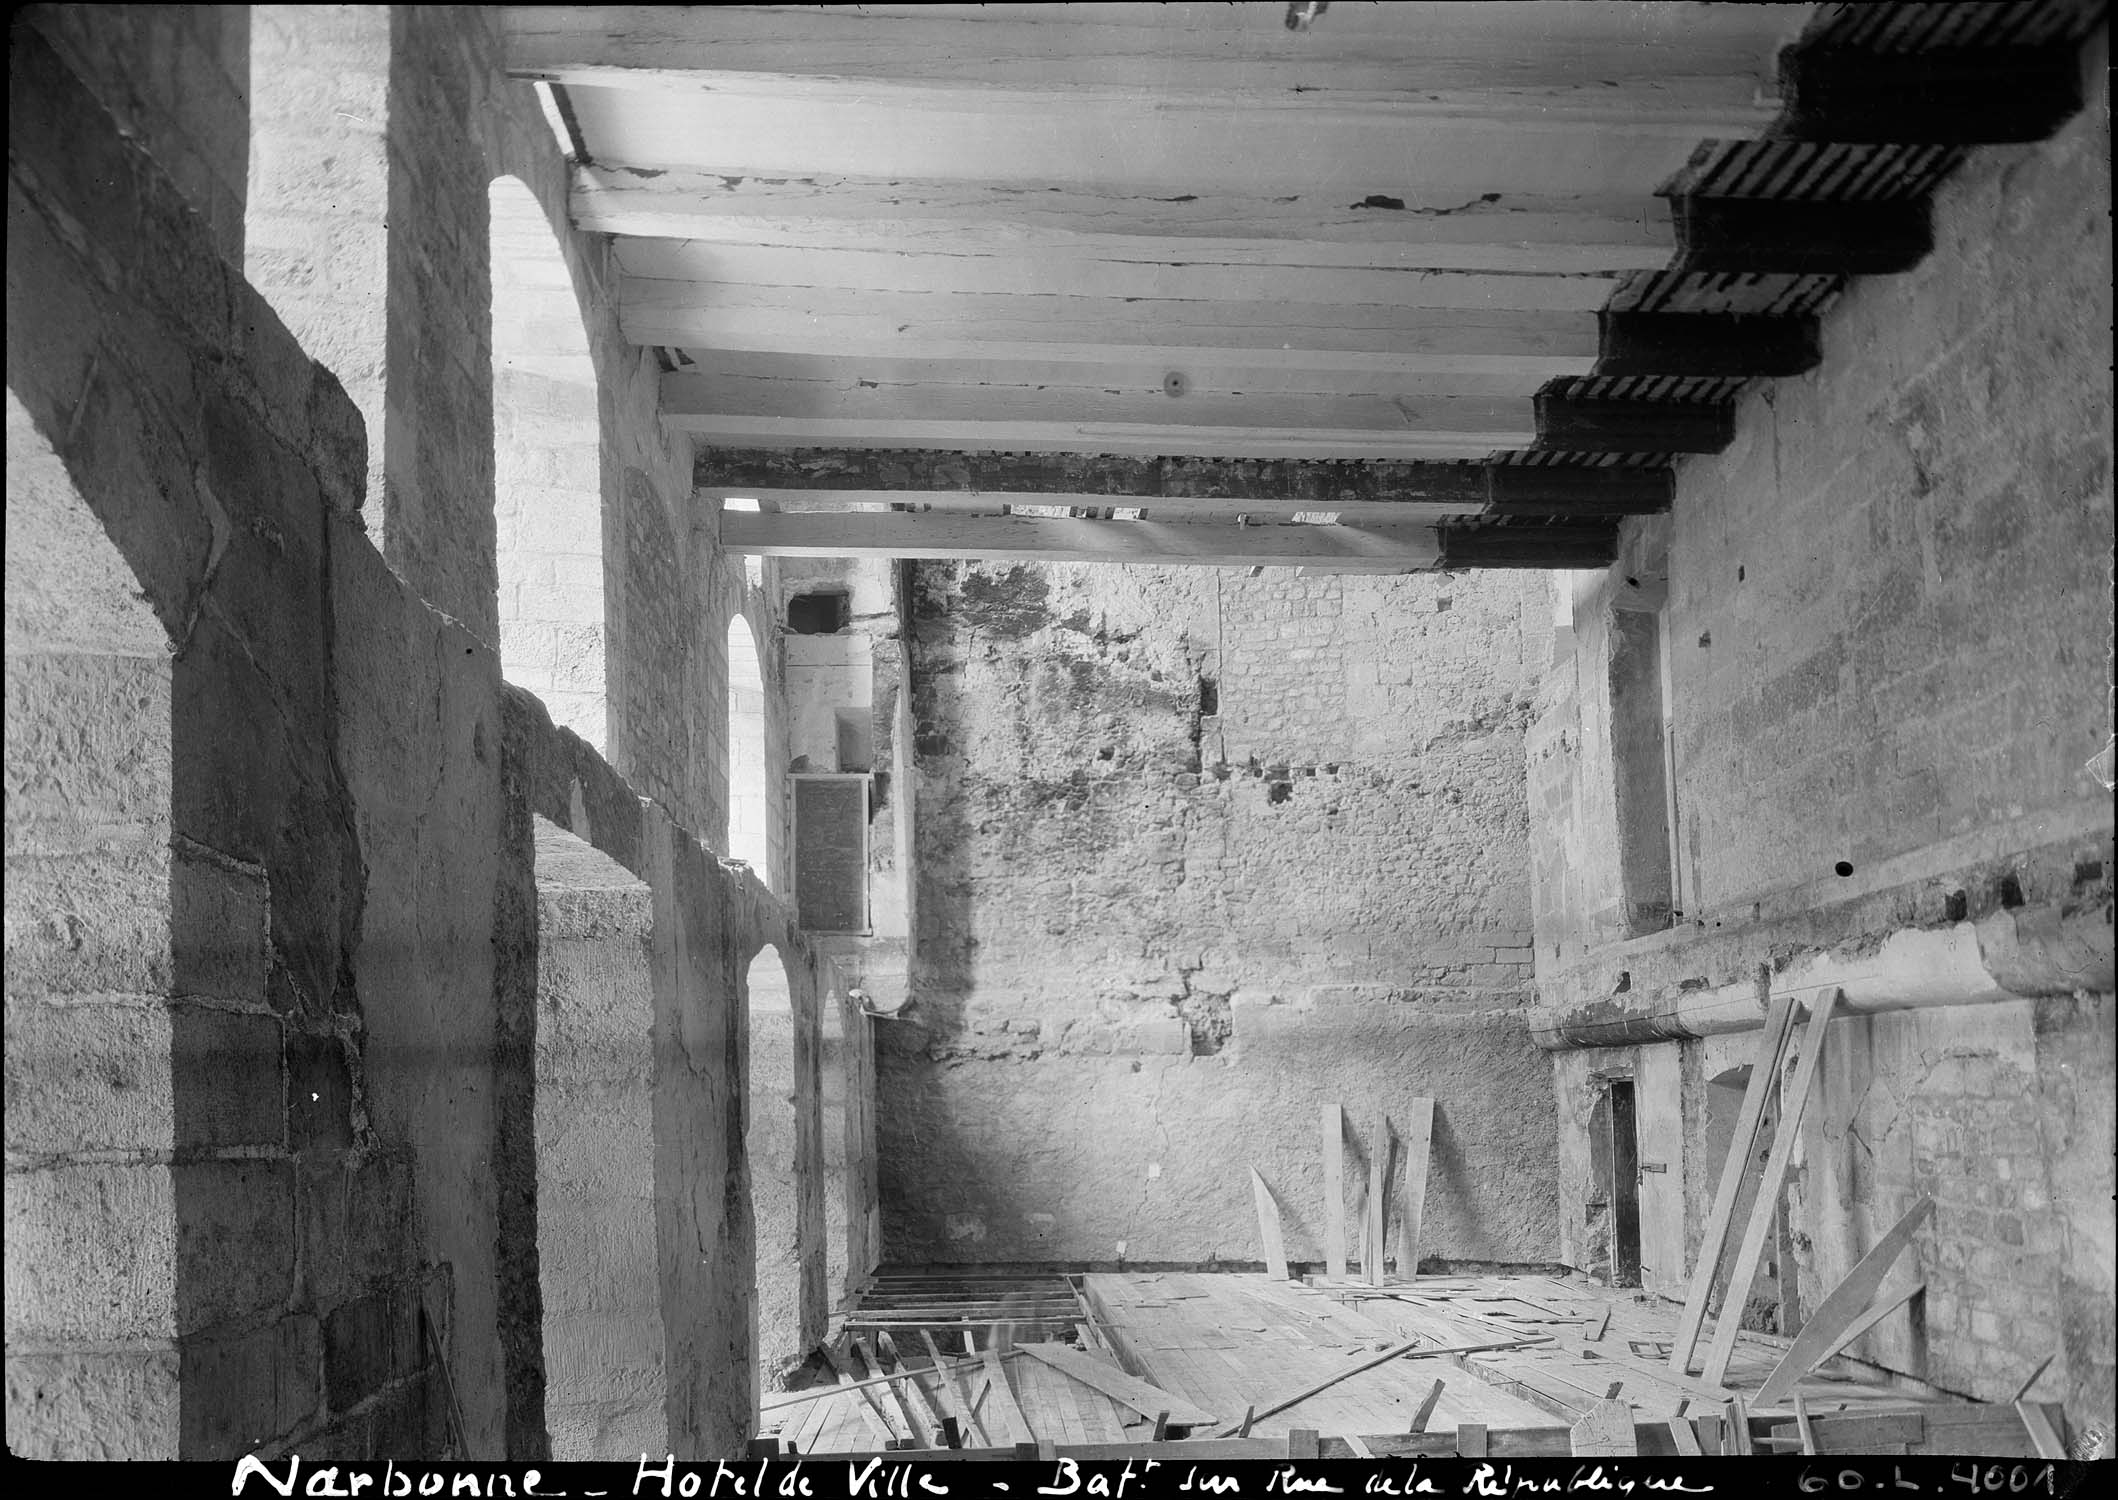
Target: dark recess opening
(1625, 1186)
(819, 613)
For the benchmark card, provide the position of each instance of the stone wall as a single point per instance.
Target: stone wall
(1888, 614)
(316, 1168)
(1198, 853)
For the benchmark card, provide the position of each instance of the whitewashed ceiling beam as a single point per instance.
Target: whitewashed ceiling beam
(1698, 57)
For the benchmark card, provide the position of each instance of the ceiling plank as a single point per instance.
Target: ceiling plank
(1276, 334)
(939, 535)
(1239, 146)
(811, 412)
(1700, 58)
(701, 266)
(1484, 231)
(1135, 372)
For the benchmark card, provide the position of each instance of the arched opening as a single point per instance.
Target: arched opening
(93, 1287)
(772, 1148)
(547, 472)
(749, 804)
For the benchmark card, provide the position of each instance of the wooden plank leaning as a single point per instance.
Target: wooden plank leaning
(1764, 1207)
(1772, 1047)
(1334, 1131)
(1419, 1141)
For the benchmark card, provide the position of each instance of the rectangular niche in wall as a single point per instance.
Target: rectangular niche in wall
(831, 853)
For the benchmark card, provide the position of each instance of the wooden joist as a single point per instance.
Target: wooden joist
(1042, 540)
(1707, 66)
(1286, 337)
(830, 404)
(836, 210)
(799, 477)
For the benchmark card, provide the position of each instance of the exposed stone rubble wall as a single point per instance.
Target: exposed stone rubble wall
(1198, 853)
(316, 1163)
(1889, 622)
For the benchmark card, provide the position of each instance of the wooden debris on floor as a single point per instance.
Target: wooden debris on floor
(1606, 1432)
(1436, 1365)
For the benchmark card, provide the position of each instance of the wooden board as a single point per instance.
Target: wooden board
(1765, 1206)
(1419, 1138)
(1772, 1046)
(1378, 1197)
(1000, 1415)
(1269, 1241)
(1334, 1135)
(1833, 1323)
(1607, 1431)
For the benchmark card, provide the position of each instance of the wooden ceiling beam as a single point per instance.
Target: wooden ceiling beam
(1268, 335)
(701, 268)
(1318, 225)
(1714, 61)
(1496, 142)
(766, 409)
(1083, 478)
(939, 535)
